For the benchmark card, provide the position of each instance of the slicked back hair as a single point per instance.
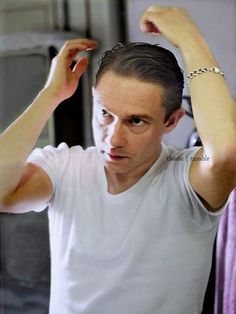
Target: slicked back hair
(148, 63)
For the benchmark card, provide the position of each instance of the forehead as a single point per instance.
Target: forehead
(121, 94)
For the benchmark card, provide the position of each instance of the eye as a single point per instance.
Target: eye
(104, 113)
(103, 116)
(137, 122)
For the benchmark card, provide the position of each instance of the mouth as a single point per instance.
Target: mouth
(114, 157)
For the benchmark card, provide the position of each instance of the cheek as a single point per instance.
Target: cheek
(147, 142)
(99, 130)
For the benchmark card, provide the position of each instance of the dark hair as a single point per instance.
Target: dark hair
(150, 63)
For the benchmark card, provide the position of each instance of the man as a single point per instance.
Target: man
(132, 222)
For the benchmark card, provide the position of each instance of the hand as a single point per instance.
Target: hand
(172, 22)
(63, 80)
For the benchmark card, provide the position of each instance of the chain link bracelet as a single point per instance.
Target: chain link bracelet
(201, 71)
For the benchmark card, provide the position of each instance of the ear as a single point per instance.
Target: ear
(173, 120)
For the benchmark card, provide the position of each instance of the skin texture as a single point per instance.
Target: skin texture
(23, 187)
(128, 126)
(213, 106)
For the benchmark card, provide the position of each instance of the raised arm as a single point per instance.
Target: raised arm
(24, 186)
(213, 106)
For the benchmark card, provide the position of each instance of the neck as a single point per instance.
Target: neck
(119, 182)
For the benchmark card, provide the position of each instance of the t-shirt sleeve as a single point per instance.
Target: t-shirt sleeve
(193, 204)
(51, 160)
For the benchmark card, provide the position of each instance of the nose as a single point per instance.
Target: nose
(116, 136)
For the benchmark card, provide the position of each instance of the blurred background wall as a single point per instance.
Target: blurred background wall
(31, 33)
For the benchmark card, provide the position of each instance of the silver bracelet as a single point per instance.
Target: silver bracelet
(201, 71)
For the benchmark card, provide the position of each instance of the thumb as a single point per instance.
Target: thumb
(148, 23)
(80, 67)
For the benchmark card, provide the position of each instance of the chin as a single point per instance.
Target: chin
(110, 166)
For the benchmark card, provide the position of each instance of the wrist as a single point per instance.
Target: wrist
(51, 96)
(196, 53)
(191, 40)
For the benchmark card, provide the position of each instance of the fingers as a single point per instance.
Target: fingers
(149, 19)
(72, 47)
(80, 67)
(173, 23)
(83, 44)
(157, 8)
(148, 22)
(82, 41)
(152, 16)
(149, 27)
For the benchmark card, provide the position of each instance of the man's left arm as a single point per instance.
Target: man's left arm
(213, 106)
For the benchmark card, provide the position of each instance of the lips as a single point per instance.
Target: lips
(114, 156)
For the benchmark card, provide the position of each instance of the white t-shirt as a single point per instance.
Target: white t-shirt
(147, 250)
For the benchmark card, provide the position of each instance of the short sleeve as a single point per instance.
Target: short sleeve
(192, 192)
(53, 160)
(192, 202)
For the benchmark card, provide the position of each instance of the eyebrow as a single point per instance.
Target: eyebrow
(141, 116)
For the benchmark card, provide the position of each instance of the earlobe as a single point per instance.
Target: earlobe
(173, 120)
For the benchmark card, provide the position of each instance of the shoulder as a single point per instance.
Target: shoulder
(62, 162)
(61, 154)
(184, 155)
(178, 161)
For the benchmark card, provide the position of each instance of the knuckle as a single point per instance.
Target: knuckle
(67, 43)
(152, 8)
(177, 9)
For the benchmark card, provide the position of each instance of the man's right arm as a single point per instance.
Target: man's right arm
(26, 186)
